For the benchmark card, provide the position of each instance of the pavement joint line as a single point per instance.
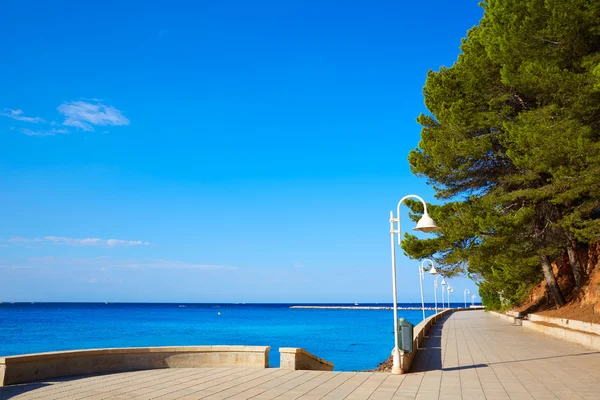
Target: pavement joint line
(487, 362)
(160, 381)
(301, 383)
(385, 380)
(354, 377)
(272, 371)
(316, 387)
(482, 337)
(332, 378)
(118, 378)
(235, 376)
(176, 373)
(289, 380)
(473, 361)
(378, 385)
(288, 373)
(520, 363)
(75, 380)
(286, 389)
(192, 381)
(351, 375)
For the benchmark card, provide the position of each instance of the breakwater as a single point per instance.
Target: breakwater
(363, 308)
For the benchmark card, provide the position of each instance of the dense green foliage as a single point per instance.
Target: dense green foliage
(512, 144)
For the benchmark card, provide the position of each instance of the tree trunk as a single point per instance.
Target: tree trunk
(578, 271)
(557, 295)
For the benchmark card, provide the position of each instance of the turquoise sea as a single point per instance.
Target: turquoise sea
(351, 339)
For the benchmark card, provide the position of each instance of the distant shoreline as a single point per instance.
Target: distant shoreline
(363, 308)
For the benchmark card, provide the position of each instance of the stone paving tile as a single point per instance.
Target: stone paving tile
(279, 391)
(468, 355)
(344, 390)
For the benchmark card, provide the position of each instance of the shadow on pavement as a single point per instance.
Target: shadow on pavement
(7, 392)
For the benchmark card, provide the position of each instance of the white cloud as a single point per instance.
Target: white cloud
(18, 115)
(79, 242)
(170, 264)
(51, 132)
(103, 264)
(85, 115)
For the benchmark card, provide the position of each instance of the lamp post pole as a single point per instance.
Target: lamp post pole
(435, 292)
(425, 224)
(450, 290)
(421, 278)
(473, 300)
(432, 271)
(443, 283)
(466, 293)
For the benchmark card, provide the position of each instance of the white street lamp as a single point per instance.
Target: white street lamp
(450, 290)
(425, 224)
(432, 271)
(466, 293)
(443, 284)
(473, 300)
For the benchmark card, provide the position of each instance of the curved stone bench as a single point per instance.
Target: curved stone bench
(34, 367)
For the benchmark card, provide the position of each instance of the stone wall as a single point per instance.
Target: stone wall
(35, 367)
(296, 358)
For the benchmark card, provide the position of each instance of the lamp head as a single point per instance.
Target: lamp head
(443, 281)
(433, 271)
(426, 224)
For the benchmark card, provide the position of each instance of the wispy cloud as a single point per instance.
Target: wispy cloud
(104, 264)
(50, 132)
(170, 264)
(162, 32)
(18, 115)
(84, 115)
(79, 242)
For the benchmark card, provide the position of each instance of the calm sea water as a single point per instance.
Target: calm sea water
(351, 339)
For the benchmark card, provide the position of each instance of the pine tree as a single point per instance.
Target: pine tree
(512, 141)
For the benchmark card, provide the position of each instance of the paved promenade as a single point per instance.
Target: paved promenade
(470, 355)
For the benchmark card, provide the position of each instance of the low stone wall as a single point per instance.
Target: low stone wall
(419, 333)
(297, 358)
(515, 314)
(588, 327)
(35, 367)
(587, 339)
(507, 318)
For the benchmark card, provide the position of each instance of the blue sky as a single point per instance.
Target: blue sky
(213, 151)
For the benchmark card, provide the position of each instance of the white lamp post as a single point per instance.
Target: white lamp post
(425, 224)
(450, 290)
(443, 284)
(466, 293)
(473, 300)
(435, 285)
(432, 271)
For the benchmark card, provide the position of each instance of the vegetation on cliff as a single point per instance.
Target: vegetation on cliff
(511, 144)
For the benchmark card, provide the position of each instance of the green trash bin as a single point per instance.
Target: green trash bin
(405, 335)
